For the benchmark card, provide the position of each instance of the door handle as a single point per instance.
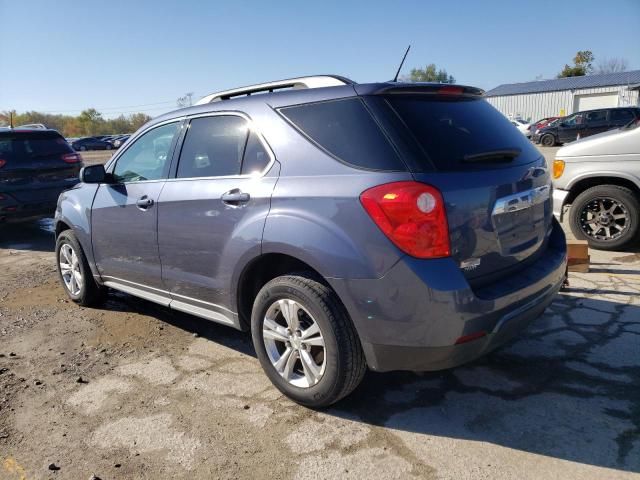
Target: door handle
(235, 197)
(144, 202)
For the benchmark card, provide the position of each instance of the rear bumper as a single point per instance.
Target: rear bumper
(23, 212)
(395, 357)
(412, 317)
(559, 197)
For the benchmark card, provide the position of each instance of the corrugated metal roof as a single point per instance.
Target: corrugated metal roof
(570, 83)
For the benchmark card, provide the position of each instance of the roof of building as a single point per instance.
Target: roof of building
(569, 83)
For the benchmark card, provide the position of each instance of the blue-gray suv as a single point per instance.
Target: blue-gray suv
(392, 226)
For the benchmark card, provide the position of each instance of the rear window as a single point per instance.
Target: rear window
(448, 129)
(27, 145)
(345, 129)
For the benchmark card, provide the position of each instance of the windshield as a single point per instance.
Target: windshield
(451, 130)
(26, 145)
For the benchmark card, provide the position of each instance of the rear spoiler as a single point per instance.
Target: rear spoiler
(418, 89)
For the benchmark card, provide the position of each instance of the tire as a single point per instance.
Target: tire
(83, 148)
(343, 362)
(89, 293)
(587, 206)
(548, 140)
(108, 147)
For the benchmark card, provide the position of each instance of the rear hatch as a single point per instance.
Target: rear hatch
(495, 184)
(36, 165)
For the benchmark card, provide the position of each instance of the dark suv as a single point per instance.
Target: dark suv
(583, 124)
(35, 167)
(391, 226)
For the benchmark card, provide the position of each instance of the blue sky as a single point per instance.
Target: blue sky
(63, 56)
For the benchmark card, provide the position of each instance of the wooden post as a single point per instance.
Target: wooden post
(578, 253)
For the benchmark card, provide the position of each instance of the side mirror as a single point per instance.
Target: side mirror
(93, 174)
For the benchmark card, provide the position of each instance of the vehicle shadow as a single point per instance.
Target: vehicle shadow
(36, 235)
(567, 388)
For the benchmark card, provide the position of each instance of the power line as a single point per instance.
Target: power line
(101, 109)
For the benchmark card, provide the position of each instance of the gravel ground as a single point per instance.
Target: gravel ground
(132, 390)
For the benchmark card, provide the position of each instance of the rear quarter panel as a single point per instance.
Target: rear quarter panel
(321, 221)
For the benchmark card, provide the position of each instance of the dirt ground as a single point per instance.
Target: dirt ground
(132, 390)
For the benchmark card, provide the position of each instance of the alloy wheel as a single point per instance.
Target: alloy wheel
(70, 269)
(604, 219)
(294, 343)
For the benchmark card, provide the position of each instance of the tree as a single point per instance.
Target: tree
(582, 65)
(612, 65)
(89, 122)
(430, 74)
(137, 120)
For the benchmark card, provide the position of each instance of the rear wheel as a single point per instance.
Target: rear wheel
(607, 216)
(74, 272)
(548, 140)
(83, 148)
(305, 341)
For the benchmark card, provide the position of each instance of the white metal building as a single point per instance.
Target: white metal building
(562, 96)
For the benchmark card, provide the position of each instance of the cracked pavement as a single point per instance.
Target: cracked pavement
(135, 391)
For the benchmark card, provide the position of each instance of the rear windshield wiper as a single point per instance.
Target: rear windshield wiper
(504, 155)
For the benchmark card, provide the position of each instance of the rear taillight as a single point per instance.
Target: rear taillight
(412, 216)
(2, 163)
(71, 158)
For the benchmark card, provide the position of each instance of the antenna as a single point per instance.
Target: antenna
(11, 119)
(395, 79)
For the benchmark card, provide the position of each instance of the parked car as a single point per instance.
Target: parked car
(522, 126)
(35, 167)
(543, 122)
(584, 124)
(393, 226)
(119, 141)
(600, 178)
(91, 143)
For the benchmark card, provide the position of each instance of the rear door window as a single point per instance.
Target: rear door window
(345, 129)
(596, 118)
(453, 132)
(213, 147)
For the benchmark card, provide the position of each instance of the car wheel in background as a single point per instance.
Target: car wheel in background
(108, 147)
(83, 148)
(607, 216)
(548, 140)
(74, 272)
(305, 341)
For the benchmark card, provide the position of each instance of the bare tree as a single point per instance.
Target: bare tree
(186, 100)
(612, 65)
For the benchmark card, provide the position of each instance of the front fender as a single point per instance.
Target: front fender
(74, 210)
(603, 173)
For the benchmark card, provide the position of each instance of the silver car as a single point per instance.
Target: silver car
(600, 178)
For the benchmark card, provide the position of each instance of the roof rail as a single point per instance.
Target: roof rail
(316, 81)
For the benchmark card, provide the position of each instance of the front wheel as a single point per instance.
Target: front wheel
(305, 341)
(74, 272)
(607, 216)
